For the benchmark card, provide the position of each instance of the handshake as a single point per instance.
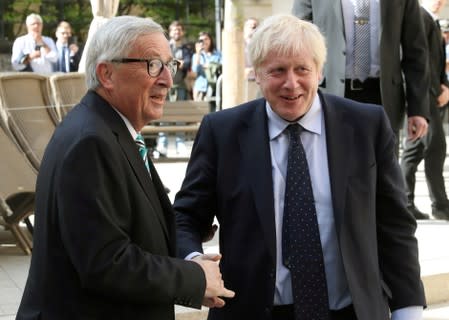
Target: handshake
(215, 289)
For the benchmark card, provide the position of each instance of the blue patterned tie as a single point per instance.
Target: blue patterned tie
(63, 59)
(362, 59)
(301, 246)
(143, 150)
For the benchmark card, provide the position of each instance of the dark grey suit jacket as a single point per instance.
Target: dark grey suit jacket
(104, 235)
(437, 57)
(229, 176)
(403, 53)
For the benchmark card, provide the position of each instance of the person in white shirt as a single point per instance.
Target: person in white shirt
(33, 51)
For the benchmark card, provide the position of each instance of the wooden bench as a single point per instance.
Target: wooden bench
(178, 116)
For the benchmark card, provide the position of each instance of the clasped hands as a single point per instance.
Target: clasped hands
(215, 289)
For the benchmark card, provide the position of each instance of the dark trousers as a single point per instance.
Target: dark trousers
(287, 313)
(431, 148)
(367, 92)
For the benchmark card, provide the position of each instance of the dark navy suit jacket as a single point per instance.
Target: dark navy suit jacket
(230, 176)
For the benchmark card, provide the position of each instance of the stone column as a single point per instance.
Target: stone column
(233, 62)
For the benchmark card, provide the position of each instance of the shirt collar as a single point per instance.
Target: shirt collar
(131, 129)
(433, 15)
(311, 121)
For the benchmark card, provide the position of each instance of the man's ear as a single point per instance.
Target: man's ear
(105, 71)
(257, 76)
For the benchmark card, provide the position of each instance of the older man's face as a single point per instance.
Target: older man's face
(289, 83)
(138, 96)
(34, 27)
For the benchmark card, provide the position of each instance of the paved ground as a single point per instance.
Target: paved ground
(433, 236)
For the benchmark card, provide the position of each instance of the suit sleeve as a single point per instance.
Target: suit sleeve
(414, 60)
(303, 9)
(96, 212)
(195, 203)
(397, 245)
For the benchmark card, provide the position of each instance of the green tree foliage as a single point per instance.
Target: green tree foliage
(196, 15)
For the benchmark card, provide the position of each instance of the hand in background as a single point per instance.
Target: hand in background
(443, 98)
(210, 233)
(417, 127)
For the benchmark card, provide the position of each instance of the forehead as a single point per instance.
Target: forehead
(276, 58)
(34, 21)
(152, 45)
(176, 28)
(63, 29)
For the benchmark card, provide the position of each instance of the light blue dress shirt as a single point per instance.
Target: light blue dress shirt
(314, 141)
(315, 146)
(374, 20)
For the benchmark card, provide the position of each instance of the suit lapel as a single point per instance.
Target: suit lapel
(138, 166)
(131, 152)
(339, 137)
(166, 205)
(255, 150)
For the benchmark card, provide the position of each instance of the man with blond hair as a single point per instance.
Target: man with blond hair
(308, 195)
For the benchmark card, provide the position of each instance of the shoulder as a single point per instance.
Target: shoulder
(350, 108)
(48, 40)
(21, 39)
(237, 115)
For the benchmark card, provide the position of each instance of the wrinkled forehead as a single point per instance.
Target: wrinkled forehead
(33, 21)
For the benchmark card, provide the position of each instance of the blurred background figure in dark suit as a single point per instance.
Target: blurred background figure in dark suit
(432, 147)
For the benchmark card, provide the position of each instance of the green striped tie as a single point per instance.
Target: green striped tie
(143, 150)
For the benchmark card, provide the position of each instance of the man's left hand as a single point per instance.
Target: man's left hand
(417, 127)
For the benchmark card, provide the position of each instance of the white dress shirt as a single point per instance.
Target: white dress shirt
(66, 59)
(25, 45)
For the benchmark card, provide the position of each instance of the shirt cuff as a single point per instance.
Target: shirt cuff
(408, 313)
(192, 255)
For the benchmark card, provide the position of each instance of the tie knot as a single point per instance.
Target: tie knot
(294, 130)
(139, 140)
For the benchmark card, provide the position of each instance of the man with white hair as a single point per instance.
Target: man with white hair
(33, 51)
(104, 237)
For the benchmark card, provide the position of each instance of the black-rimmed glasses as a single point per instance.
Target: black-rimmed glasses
(154, 66)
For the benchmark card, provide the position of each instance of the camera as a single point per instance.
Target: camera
(38, 47)
(200, 41)
(24, 59)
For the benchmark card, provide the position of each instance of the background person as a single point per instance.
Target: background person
(104, 237)
(69, 53)
(33, 51)
(239, 173)
(251, 89)
(178, 92)
(204, 57)
(432, 147)
(397, 57)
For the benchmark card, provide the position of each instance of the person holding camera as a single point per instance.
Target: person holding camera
(205, 58)
(33, 51)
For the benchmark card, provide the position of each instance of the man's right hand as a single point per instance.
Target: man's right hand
(215, 289)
